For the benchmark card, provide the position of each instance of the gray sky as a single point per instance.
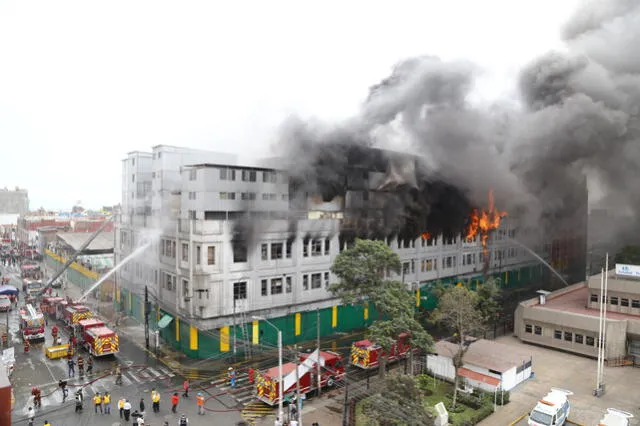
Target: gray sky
(82, 83)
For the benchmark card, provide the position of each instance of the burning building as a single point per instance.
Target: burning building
(240, 239)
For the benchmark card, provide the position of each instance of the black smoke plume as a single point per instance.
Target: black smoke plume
(576, 122)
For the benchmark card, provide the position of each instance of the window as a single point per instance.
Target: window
(289, 247)
(269, 177)
(191, 215)
(316, 281)
(240, 290)
(557, 334)
(537, 330)
(192, 195)
(467, 259)
(193, 174)
(227, 174)
(305, 282)
(316, 247)
(227, 195)
(579, 338)
(264, 287)
(591, 341)
(528, 328)
(405, 268)
(594, 297)
(276, 286)
(185, 287)
(427, 265)
(248, 175)
(568, 336)
(198, 254)
(264, 251)
(624, 302)
(248, 196)
(239, 253)
(327, 246)
(133, 178)
(635, 303)
(211, 255)
(276, 251)
(326, 280)
(614, 300)
(185, 252)
(305, 247)
(288, 281)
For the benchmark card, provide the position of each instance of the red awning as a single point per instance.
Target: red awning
(478, 377)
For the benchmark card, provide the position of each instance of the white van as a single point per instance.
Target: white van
(552, 410)
(615, 417)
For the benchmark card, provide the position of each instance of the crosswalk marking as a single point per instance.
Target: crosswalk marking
(134, 377)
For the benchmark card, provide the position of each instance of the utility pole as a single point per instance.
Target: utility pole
(317, 360)
(146, 316)
(298, 400)
(345, 414)
(234, 330)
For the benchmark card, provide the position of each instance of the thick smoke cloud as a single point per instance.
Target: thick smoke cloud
(577, 119)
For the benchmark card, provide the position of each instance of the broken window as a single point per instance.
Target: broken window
(276, 251)
(327, 246)
(289, 248)
(316, 247)
(239, 253)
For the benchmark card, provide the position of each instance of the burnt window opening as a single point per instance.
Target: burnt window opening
(305, 247)
(276, 251)
(316, 247)
(289, 249)
(239, 252)
(327, 246)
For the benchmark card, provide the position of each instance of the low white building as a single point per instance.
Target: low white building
(488, 365)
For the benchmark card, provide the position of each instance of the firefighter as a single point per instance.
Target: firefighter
(26, 346)
(80, 365)
(54, 333)
(37, 397)
(252, 375)
(118, 376)
(5, 339)
(63, 386)
(89, 365)
(231, 375)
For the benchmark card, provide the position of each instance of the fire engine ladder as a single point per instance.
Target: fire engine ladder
(303, 368)
(246, 336)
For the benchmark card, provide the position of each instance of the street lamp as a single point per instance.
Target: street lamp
(280, 380)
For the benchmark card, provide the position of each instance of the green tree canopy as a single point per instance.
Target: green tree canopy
(629, 255)
(400, 403)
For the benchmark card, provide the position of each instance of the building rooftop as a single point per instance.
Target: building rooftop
(103, 242)
(487, 354)
(574, 300)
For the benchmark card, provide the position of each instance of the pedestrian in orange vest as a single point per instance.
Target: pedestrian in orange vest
(200, 401)
(174, 402)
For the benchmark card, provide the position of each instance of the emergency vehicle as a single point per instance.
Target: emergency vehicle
(331, 371)
(366, 354)
(31, 323)
(48, 305)
(100, 341)
(615, 417)
(552, 410)
(29, 270)
(72, 314)
(32, 287)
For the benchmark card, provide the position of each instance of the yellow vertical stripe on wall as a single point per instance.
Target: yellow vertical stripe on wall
(193, 337)
(506, 277)
(118, 294)
(157, 313)
(366, 311)
(224, 339)
(334, 317)
(177, 321)
(298, 324)
(130, 302)
(255, 336)
(418, 298)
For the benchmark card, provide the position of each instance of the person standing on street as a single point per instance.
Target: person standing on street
(200, 402)
(97, 401)
(80, 366)
(89, 365)
(142, 405)
(121, 402)
(31, 415)
(106, 402)
(63, 387)
(118, 376)
(155, 399)
(184, 421)
(127, 410)
(174, 402)
(185, 386)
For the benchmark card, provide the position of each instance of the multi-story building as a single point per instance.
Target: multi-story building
(14, 201)
(230, 240)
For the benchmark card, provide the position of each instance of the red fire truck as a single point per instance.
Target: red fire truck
(267, 382)
(366, 355)
(100, 341)
(48, 305)
(31, 323)
(72, 314)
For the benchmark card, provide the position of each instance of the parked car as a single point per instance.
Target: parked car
(57, 284)
(5, 303)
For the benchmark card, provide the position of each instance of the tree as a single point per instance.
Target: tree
(402, 403)
(488, 303)
(361, 271)
(629, 255)
(458, 311)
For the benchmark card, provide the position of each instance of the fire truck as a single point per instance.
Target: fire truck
(72, 314)
(31, 323)
(48, 305)
(100, 341)
(366, 355)
(331, 371)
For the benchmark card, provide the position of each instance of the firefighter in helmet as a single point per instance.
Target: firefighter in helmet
(26, 345)
(89, 365)
(80, 365)
(37, 397)
(54, 333)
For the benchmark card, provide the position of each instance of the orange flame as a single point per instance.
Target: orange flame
(483, 222)
(426, 235)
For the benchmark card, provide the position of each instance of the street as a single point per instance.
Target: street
(141, 372)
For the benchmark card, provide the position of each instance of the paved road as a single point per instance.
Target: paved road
(141, 372)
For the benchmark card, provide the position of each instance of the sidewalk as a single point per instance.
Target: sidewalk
(326, 411)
